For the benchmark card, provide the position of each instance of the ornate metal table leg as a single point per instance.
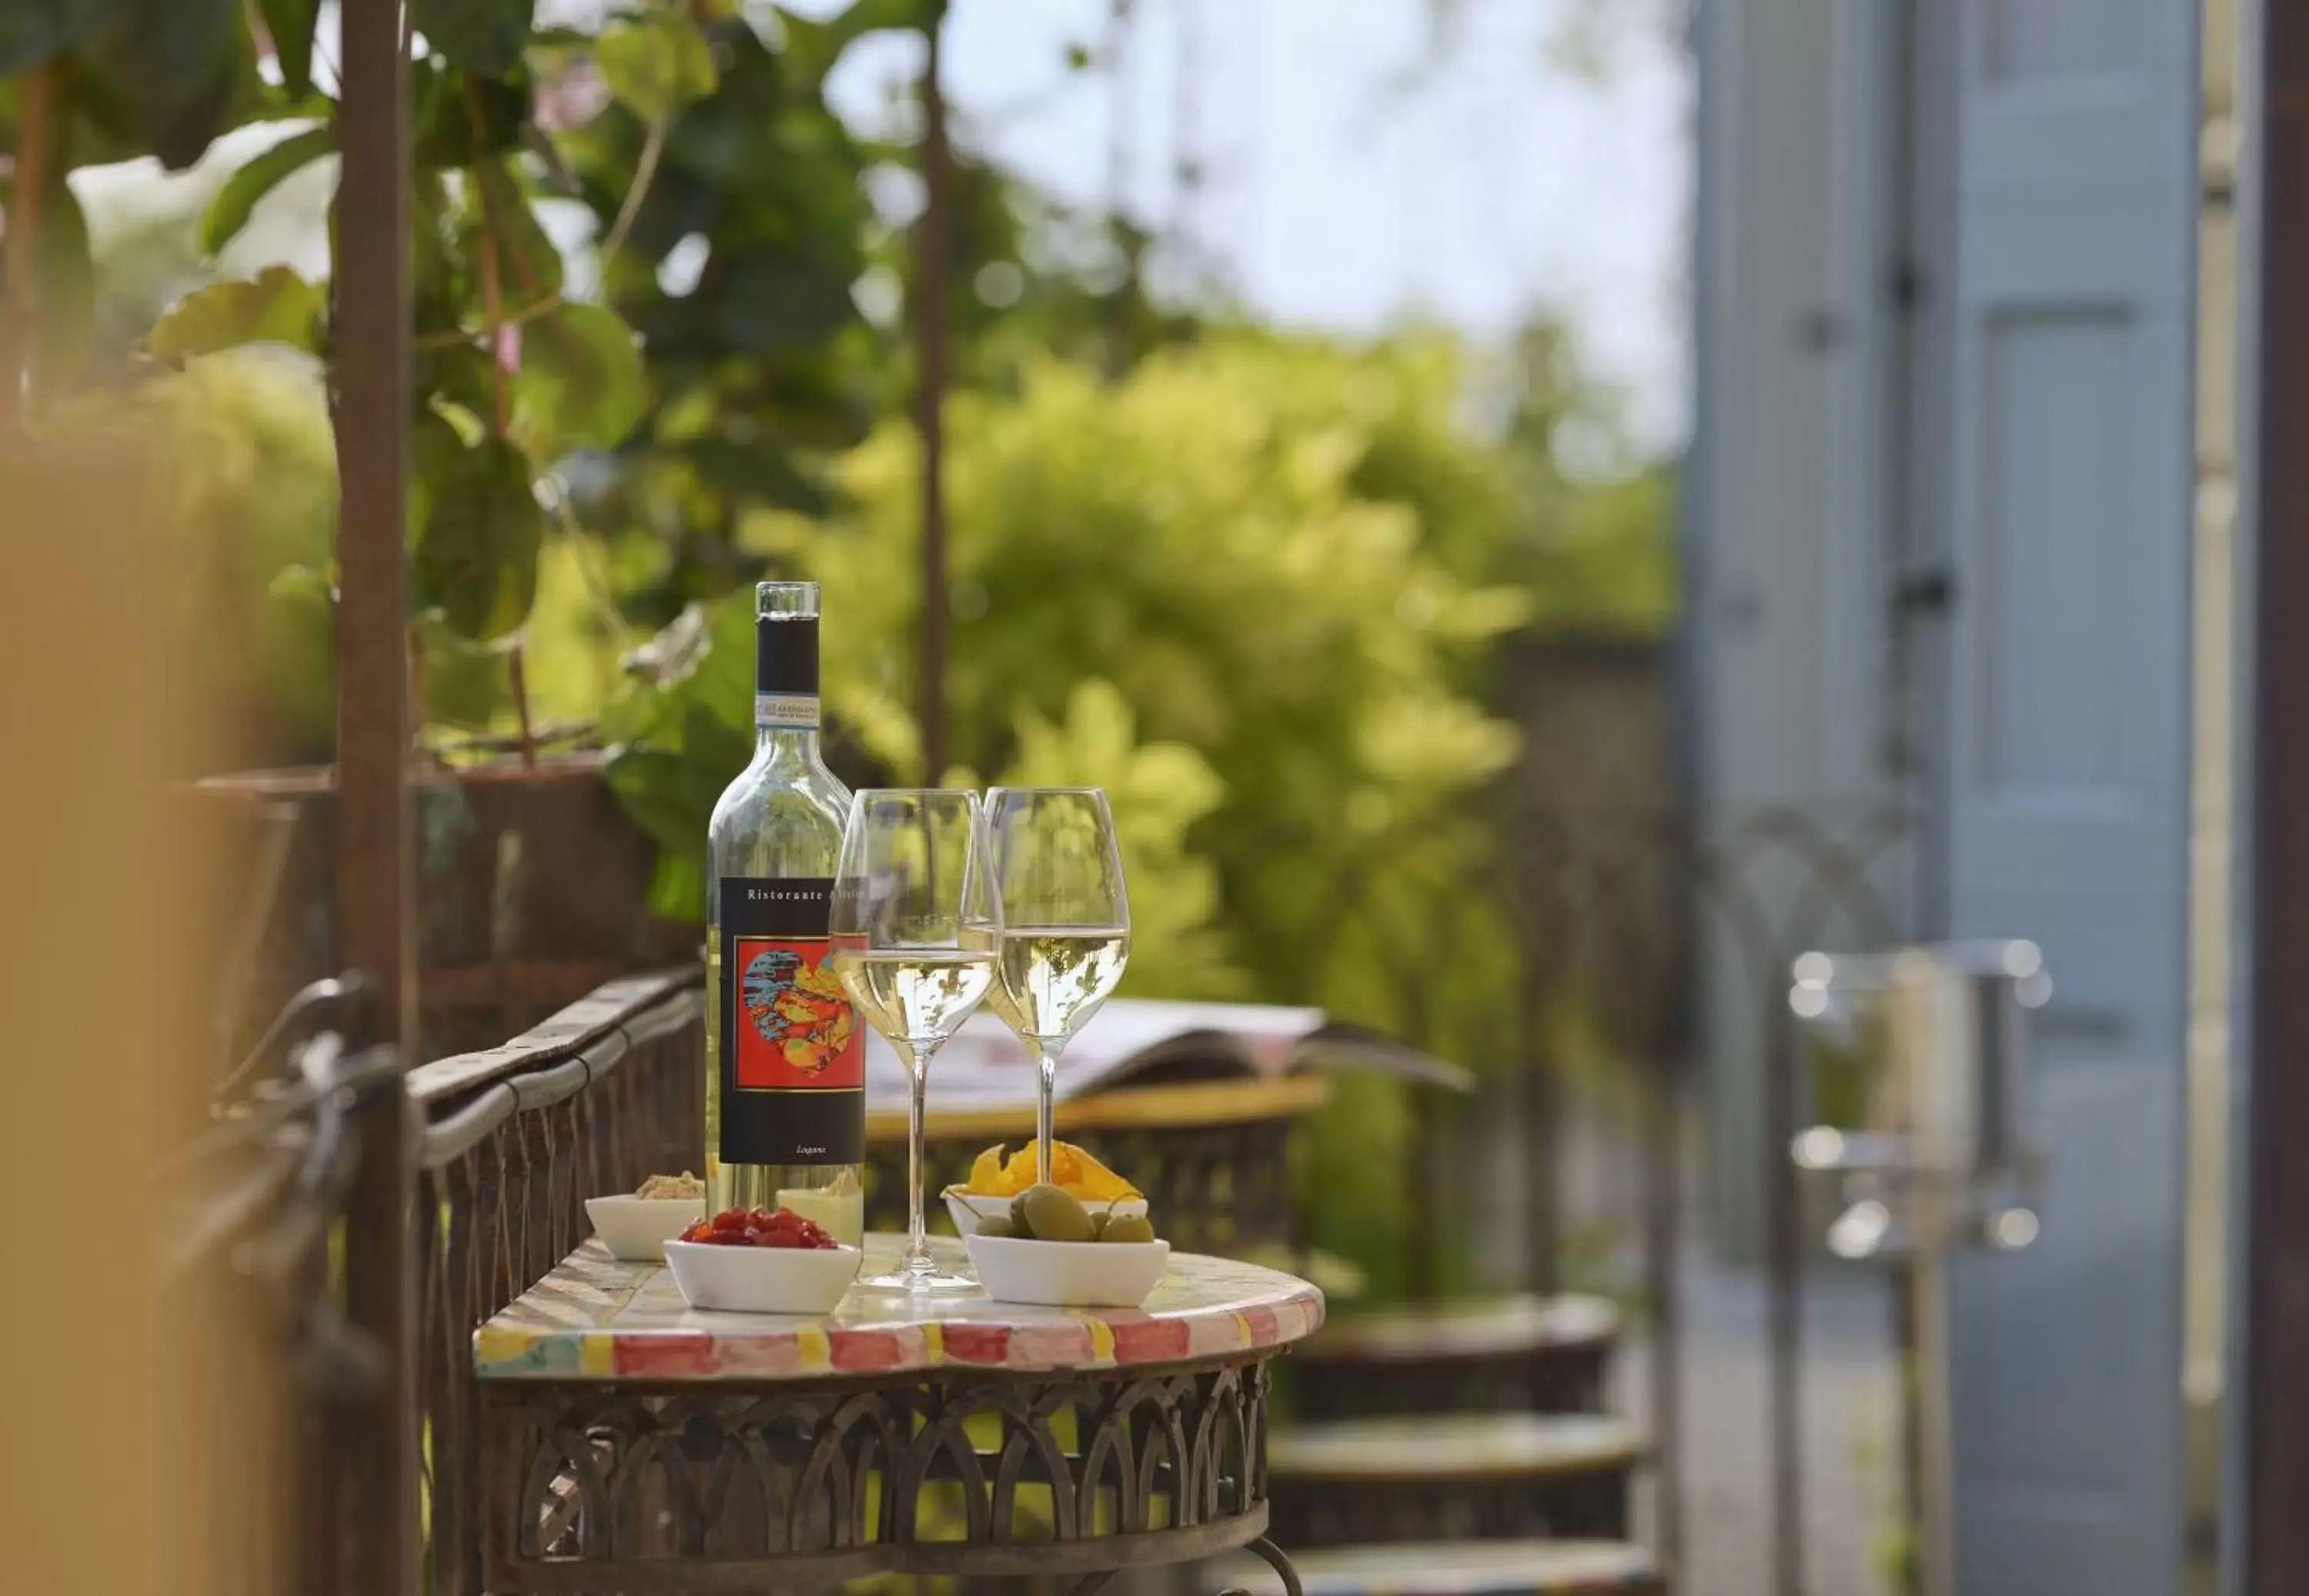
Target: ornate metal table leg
(1275, 1557)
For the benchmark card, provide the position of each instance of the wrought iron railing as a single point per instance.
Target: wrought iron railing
(255, 1282)
(505, 1145)
(515, 1140)
(1632, 916)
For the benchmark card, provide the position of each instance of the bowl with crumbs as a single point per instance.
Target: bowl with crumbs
(636, 1226)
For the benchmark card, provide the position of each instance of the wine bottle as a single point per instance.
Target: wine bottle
(786, 1057)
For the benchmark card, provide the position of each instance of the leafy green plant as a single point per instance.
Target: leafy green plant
(734, 260)
(1251, 584)
(1169, 586)
(1192, 536)
(514, 373)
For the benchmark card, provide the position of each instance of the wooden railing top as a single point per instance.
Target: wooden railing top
(581, 1025)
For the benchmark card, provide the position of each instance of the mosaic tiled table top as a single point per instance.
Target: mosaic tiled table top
(594, 1318)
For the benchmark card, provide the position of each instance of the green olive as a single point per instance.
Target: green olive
(1128, 1227)
(1054, 1215)
(997, 1224)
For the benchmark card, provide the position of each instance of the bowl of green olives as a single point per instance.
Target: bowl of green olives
(1053, 1249)
(969, 1210)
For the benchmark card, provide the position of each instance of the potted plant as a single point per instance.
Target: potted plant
(534, 883)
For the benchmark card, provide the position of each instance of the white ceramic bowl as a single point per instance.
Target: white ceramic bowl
(763, 1280)
(637, 1228)
(1067, 1273)
(968, 1209)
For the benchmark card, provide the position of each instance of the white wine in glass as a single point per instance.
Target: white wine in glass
(1066, 924)
(1052, 979)
(916, 994)
(915, 925)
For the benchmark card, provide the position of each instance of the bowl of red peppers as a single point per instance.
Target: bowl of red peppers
(761, 1261)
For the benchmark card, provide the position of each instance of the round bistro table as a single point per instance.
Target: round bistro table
(630, 1444)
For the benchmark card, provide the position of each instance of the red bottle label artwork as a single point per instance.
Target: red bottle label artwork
(793, 1058)
(796, 1029)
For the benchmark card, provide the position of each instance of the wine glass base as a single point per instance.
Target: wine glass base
(919, 1282)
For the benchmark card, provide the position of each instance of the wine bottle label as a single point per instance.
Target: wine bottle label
(793, 1053)
(786, 712)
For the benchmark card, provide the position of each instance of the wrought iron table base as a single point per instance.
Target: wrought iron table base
(602, 1485)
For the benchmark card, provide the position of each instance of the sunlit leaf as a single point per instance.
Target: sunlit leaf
(277, 307)
(302, 584)
(476, 556)
(230, 211)
(656, 62)
(580, 383)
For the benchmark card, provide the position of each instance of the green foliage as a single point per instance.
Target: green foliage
(763, 367)
(33, 31)
(481, 35)
(1193, 536)
(230, 211)
(289, 24)
(656, 64)
(1251, 585)
(248, 469)
(580, 383)
(677, 740)
(813, 45)
(476, 555)
(177, 71)
(511, 378)
(66, 287)
(277, 307)
(1159, 791)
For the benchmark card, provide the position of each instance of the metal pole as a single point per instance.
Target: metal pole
(1783, 1252)
(932, 264)
(1662, 1160)
(36, 102)
(2267, 1404)
(1676, 1045)
(375, 883)
(1121, 145)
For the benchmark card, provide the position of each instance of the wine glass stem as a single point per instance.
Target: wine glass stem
(916, 1259)
(1046, 1076)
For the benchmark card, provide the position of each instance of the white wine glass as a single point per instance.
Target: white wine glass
(915, 927)
(1065, 919)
